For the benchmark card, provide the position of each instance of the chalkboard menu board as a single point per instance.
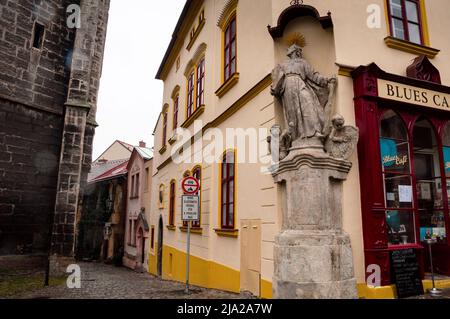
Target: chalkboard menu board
(405, 271)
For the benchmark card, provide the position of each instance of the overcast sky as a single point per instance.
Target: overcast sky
(130, 99)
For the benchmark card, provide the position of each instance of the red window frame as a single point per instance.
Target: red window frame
(190, 100)
(200, 82)
(228, 180)
(409, 118)
(405, 20)
(229, 47)
(172, 204)
(164, 135)
(175, 111)
(368, 109)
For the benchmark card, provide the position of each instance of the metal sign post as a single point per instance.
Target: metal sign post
(188, 253)
(190, 211)
(433, 291)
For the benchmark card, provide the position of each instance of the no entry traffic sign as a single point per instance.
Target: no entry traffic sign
(190, 211)
(190, 185)
(190, 208)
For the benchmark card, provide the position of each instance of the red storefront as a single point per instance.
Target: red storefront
(404, 161)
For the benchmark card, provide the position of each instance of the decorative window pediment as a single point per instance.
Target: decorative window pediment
(227, 11)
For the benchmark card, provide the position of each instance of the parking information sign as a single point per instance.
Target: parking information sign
(190, 208)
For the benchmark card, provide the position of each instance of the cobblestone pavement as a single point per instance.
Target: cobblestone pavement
(445, 294)
(100, 281)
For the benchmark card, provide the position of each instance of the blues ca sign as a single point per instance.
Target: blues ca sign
(413, 95)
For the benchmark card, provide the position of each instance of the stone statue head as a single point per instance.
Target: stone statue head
(294, 51)
(338, 121)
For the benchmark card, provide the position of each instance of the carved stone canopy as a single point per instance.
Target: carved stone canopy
(297, 11)
(423, 69)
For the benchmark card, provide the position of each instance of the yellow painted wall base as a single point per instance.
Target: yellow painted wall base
(389, 292)
(209, 274)
(266, 289)
(203, 273)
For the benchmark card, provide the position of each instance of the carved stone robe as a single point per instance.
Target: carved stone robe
(304, 94)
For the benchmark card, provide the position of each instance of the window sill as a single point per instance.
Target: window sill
(227, 232)
(410, 47)
(173, 139)
(171, 228)
(199, 111)
(196, 34)
(194, 230)
(228, 85)
(163, 150)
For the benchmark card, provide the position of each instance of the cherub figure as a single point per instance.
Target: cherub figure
(342, 140)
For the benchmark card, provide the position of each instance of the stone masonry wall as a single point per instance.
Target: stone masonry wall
(76, 152)
(29, 75)
(47, 119)
(29, 150)
(33, 88)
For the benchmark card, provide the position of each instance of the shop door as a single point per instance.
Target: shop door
(251, 256)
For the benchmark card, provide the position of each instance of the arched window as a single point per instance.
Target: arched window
(397, 179)
(200, 100)
(190, 94)
(446, 157)
(229, 47)
(446, 150)
(227, 193)
(427, 171)
(176, 105)
(172, 203)
(164, 133)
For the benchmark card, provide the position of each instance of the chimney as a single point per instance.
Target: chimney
(142, 144)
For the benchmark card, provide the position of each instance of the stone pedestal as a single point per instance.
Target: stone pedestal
(312, 254)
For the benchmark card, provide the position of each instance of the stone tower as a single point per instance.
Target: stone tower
(49, 78)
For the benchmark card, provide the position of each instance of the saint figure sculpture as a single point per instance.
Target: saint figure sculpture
(305, 95)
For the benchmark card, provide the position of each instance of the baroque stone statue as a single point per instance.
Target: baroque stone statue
(307, 98)
(305, 95)
(313, 257)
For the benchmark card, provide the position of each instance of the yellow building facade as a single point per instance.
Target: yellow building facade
(217, 75)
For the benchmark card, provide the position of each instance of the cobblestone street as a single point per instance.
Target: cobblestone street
(100, 281)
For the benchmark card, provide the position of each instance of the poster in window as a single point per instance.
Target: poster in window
(425, 191)
(388, 152)
(405, 193)
(447, 159)
(390, 197)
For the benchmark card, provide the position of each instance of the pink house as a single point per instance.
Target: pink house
(138, 208)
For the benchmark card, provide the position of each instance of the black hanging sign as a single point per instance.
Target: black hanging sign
(405, 271)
